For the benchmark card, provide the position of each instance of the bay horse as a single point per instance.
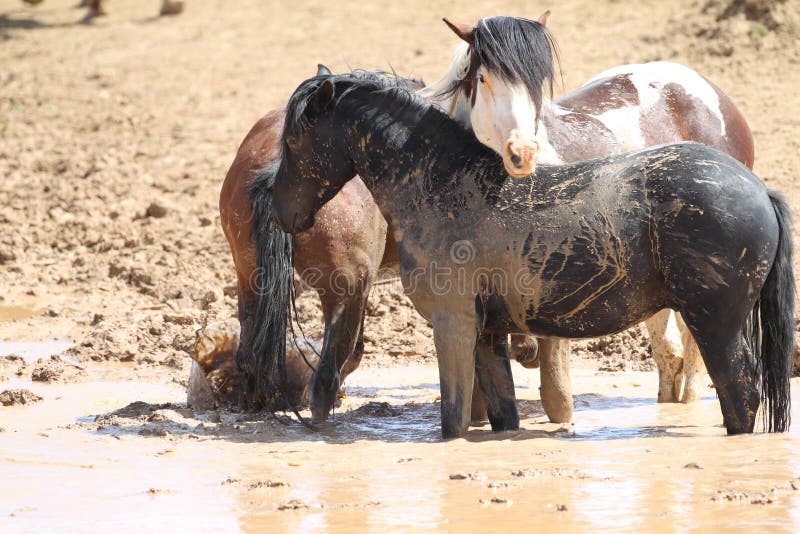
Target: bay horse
(350, 233)
(573, 251)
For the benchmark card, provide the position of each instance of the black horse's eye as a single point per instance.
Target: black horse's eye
(292, 141)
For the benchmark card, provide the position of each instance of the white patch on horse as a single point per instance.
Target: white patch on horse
(441, 94)
(649, 78)
(624, 124)
(548, 153)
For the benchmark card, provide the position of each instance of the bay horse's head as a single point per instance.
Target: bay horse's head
(509, 62)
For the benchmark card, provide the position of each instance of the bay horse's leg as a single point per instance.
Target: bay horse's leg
(556, 386)
(248, 302)
(455, 335)
(667, 356)
(693, 368)
(343, 321)
(493, 373)
(478, 413)
(524, 349)
(352, 363)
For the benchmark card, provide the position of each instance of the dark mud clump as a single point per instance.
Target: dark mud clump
(13, 397)
(56, 369)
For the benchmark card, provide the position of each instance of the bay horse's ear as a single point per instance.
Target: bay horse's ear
(543, 18)
(322, 70)
(322, 98)
(465, 32)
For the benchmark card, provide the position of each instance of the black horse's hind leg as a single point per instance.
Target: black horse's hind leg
(493, 371)
(732, 369)
(342, 334)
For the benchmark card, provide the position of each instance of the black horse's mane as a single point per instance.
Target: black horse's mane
(380, 80)
(518, 50)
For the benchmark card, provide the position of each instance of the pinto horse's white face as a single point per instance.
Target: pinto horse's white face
(503, 118)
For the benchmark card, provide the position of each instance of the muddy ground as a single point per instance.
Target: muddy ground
(114, 139)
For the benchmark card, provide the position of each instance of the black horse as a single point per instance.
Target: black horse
(573, 251)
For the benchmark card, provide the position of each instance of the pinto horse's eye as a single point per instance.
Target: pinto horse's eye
(481, 78)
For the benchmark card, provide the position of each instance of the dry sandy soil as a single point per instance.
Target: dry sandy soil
(115, 137)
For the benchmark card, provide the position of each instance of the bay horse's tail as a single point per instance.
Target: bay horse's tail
(776, 304)
(272, 281)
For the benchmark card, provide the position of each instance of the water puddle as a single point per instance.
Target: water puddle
(86, 458)
(31, 351)
(11, 312)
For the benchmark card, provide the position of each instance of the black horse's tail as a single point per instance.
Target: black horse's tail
(272, 281)
(776, 304)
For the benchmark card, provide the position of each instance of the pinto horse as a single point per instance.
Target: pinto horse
(577, 250)
(628, 107)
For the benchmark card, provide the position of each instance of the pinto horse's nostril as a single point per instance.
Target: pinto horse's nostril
(516, 161)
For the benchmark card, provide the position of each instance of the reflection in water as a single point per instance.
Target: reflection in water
(627, 464)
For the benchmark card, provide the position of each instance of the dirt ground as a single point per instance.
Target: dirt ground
(114, 140)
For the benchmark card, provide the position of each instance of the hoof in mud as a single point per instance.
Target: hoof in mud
(524, 349)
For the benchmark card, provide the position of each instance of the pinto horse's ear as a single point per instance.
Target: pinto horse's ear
(543, 18)
(322, 99)
(322, 70)
(465, 32)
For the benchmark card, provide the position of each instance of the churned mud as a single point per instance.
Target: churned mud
(626, 464)
(114, 140)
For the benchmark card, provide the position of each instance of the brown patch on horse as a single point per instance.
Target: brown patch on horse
(739, 138)
(602, 95)
(259, 147)
(577, 137)
(679, 116)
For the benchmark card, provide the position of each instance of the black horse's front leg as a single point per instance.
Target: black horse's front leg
(454, 335)
(496, 382)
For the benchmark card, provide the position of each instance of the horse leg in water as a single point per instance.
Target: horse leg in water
(339, 257)
(343, 325)
(455, 335)
(493, 374)
(667, 356)
(556, 386)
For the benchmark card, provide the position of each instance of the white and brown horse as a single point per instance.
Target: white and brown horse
(625, 108)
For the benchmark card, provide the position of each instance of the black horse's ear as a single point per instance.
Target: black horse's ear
(322, 99)
(543, 18)
(322, 70)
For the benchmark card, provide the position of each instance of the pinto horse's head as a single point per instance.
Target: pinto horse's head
(510, 61)
(312, 169)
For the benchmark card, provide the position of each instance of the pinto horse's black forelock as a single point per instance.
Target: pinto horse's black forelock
(518, 50)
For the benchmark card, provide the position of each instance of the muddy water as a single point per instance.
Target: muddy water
(627, 464)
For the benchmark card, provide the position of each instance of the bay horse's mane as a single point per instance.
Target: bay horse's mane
(517, 49)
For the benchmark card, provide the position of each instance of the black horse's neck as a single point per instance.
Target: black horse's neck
(407, 150)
